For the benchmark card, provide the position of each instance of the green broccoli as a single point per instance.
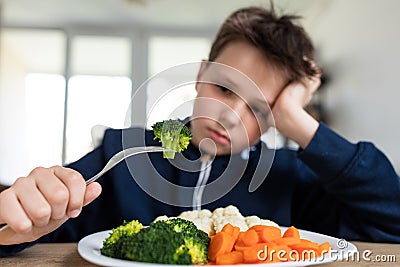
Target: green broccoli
(173, 135)
(158, 244)
(111, 245)
(173, 241)
(188, 228)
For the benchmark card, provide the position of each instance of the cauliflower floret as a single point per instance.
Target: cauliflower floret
(163, 218)
(238, 221)
(269, 223)
(232, 211)
(201, 218)
(204, 213)
(252, 220)
(205, 224)
(189, 215)
(218, 212)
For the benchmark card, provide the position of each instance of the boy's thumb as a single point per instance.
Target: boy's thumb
(93, 190)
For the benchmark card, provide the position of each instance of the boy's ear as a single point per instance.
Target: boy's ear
(200, 73)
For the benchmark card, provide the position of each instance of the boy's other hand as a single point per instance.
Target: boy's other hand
(41, 202)
(288, 110)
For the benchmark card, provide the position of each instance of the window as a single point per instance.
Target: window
(30, 134)
(45, 118)
(164, 54)
(99, 90)
(94, 100)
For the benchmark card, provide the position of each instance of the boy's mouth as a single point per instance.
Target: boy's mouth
(219, 137)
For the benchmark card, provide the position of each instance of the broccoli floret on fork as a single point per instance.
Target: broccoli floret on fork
(173, 135)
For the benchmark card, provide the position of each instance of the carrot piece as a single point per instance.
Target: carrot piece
(235, 232)
(228, 228)
(292, 232)
(323, 249)
(288, 241)
(250, 238)
(256, 253)
(239, 239)
(233, 257)
(281, 254)
(306, 249)
(231, 229)
(267, 233)
(221, 243)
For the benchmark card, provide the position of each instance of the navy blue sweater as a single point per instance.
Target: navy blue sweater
(332, 187)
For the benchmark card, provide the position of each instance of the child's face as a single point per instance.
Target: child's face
(229, 118)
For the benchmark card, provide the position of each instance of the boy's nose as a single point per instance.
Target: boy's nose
(232, 114)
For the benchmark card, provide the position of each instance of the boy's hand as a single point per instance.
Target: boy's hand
(288, 110)
(39, 203)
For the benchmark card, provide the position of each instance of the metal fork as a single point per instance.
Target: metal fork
(117, 158)
(120, 156)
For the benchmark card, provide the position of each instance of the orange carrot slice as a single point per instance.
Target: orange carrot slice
(220, 244)
(250, 238)
(292, 232)
(233, 257)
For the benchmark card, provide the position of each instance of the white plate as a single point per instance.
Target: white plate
(89, 249)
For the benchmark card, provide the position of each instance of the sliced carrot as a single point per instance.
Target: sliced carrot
(324, 248)
(239, 239)
(281, 254)
(231, 229)
(233, 257)
(228, 228)
(287, 241)
(235, 232)
(220, 244)
(250, 238)
(292, 232)
(267, 233)
(256, 253)
(240, 247)
(306, 249)
(261, 244)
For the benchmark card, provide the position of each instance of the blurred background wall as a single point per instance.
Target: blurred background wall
(66, 66)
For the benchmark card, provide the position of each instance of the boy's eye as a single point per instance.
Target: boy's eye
(224, 89)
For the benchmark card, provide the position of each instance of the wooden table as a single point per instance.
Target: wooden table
(66, 254)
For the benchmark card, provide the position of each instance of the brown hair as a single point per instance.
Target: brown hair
(284, 43)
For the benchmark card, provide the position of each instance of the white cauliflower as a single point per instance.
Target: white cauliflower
(162, 218)
(229, 214)
(213, 222)
(269, 223)
(201, 218)
(252, 220)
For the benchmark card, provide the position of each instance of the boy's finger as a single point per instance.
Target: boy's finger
(75, 183)
(32, 201)
(14, 215)
(54, 191)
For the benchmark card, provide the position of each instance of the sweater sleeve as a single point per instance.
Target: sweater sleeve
(362, 181)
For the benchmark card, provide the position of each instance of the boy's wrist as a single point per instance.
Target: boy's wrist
(298, 126)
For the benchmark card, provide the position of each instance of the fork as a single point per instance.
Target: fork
(117, 158)
(120, 156)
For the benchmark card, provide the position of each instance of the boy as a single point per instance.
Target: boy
(329, 186)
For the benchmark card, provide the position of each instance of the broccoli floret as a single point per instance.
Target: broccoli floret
(173, 241)
(196, 241)
(197, 250)
(158, 244)
(188, 228)
(173, 135)
(112, 244)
